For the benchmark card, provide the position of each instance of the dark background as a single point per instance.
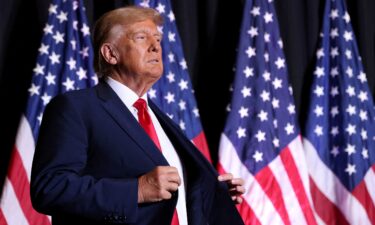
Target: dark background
(209, 30)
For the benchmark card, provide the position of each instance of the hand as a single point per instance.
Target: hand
(236, 188)
(158, 184)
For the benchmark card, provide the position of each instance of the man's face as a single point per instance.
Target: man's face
(140, 51)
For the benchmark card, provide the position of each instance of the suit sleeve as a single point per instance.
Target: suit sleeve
(58, 183)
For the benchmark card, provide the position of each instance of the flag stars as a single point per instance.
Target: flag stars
(289, 128)
(62, 16)
(46, 98)
(334, 111)
(183, 64)
(362, 77)
(48, 29)
(39, 118)
(351, 110)
(72, 63)
(363, 96)
(318, 130)
(52, 9)
(169, 97)
(350, 91)
(348, 54)
(291, 109)
(319, 91)
(183, 84)
(258, 156)
(182, 105)
(364, 134)
(250, 52)
(171, 16)
(84, 52)
(318, 111)
(182, 125)
(334, 91)
(160, 8)
(241, 132)
(85, 30)
(348, 35)
(335, 131)
(334, 14)
(276, 142)
(266, 57)
(39, 69)
(350, 129)
(334, 72)
(320, 53)
(34, 90)
(350, 169)
(263, 116)
(363, 115)
(50, 79)
(255, 11)
(265, 95)
(275, 103)
(171, 36)
(55, 58)
(261, 136)
(364, 153)
(346, 17)
(246, 92)
(335, 151)
(81, 73)
(59, 37)
(244, 112)
(334, 52)
(170, 77)
(277, 83)
(171, 57)
(253, 31)
(349, 71)
(43, 49)
(280, 63)
(152, 93)
(319, 71)
(334, 33)
(248, 72)
(280, 43)
(75, 25)
(196, 112)
(69, 84)
(74, 44)
(266, 76)
(267, 37)
(268, 17)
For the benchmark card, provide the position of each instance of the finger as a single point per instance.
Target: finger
(237, 181)
(225, 177)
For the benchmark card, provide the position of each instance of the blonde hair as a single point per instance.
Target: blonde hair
(123, 16)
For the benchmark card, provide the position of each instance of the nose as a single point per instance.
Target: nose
(155, 45)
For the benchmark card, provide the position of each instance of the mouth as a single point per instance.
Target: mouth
(153, 61)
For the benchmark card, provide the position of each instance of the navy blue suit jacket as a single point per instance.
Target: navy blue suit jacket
(89, 154)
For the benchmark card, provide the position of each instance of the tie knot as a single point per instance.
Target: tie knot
(140, 104)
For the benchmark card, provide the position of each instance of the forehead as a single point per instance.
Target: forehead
(143, 26)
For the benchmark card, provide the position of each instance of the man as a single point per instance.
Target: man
(104, 156)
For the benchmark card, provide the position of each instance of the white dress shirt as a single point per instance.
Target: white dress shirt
(129, 97)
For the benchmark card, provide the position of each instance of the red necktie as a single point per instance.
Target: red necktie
(146, 122)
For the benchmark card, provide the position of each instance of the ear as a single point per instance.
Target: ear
(109, 53)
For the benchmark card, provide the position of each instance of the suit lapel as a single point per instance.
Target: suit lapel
(123, 117)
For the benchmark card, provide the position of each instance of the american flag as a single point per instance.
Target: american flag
(64, 63)
(340, 129)
(261, 141)
(173, 93)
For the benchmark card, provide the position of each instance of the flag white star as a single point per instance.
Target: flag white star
(334, 14)
(261, 136)
(248, 72)
(364, 134)
(50, 78)
(334, 72)
(335, 151)
(46, 98)
(334, 33)
(169, 97)
(362, 77)
(250, 52)
(266, 76)
(364, 153)
(170, 77)
(350, 91)
(277, 83)
(182, 125)
(55, 58)
(318, 111)
(182, 105)
(69, 84)
(246, 92)
(160, 8)
(363, 96)
(280, 63)
(291, 109)
(348, 54)
(183, 84)
(253, 31)
(267, 37)
(319, 71)
(350, 129)
(276, 142)
(34, 89)
(72, 63)
(289, 129)
(348, 35)
(363, 115)
(346, 17)
(43, 49)
(152, 93)
(241, 132)
(255, 11)
(258, 156)
(334, 91)
(52, 9)
(39, 69)
(171, 36)
(171, 16)
(196, 112)
(334, 111)
(349, 71)
(62, 16)
(319, 91)
(265, 95)
(171, 57)
(320, 53)
(85, 30)
(351, 109)
(48, 29)
(350, 169)
(275, 103)
(183, 64)
(244, 112)
(335, 131)
(82, 74)
(334, 52)
(59, 37)
(318, 130)
(263, 116)
(268, 17)
(84, 52)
